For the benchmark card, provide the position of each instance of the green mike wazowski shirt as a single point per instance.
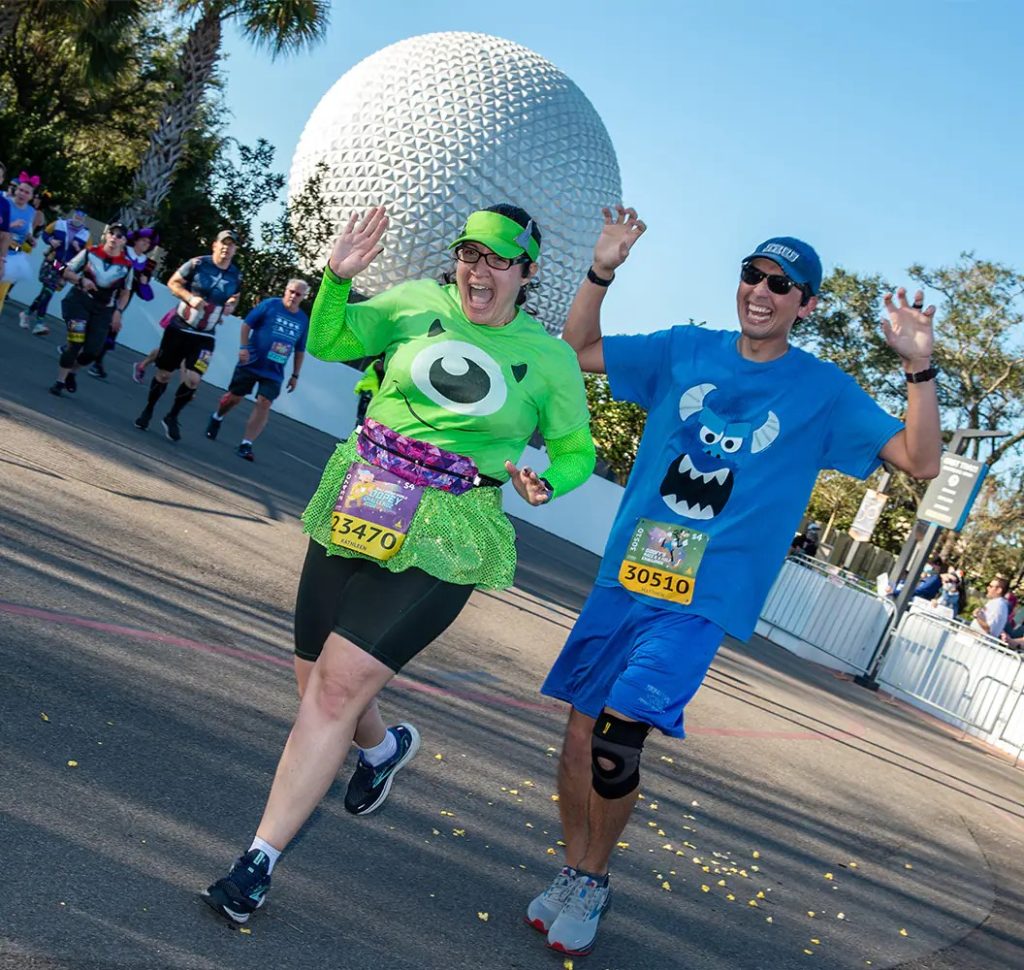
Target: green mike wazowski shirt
(475, 390)
(478, 391)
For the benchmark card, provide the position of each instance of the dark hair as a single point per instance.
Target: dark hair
(523, 218)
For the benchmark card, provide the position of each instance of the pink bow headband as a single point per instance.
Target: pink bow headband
(32, 180)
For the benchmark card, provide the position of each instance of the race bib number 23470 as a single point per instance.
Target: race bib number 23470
(374, 511)
(662, 561)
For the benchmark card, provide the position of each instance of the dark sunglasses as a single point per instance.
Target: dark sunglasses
(470, 254)
(777, 283)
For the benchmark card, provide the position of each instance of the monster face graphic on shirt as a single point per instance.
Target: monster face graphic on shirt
(453, 377)
(716, 441)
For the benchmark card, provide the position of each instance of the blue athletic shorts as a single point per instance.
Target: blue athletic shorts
(634, 658)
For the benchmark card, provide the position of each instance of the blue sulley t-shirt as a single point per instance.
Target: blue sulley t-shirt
(276, 334)
(726, 464)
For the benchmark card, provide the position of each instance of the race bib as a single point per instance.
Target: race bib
(202, 361)
(279, 352)
(76, 331)
(662, 560)
(373, 511)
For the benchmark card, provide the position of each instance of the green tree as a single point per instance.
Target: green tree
(615, 425)
(281, 26)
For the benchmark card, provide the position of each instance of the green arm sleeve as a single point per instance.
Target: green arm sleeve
(572, 461)
(330, 337)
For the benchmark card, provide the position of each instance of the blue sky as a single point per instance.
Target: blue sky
(885, 133)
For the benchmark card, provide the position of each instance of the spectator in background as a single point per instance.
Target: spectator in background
(368, 386)
(930, 584)
(1011, 599)
(807, 543)
(949, 593)
(991, 618)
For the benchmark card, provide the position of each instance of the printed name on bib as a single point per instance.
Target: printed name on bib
(279, 352)
(662, 560)
(373, 511)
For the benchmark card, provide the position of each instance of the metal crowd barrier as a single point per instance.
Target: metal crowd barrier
(827, 608)
(961, 674)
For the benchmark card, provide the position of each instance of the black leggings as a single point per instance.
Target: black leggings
(392, 616)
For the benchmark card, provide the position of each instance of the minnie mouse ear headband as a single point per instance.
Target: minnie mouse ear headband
(146, 232)
(32, 180)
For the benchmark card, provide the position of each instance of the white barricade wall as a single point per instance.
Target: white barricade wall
(958, 674)
(824, 614)
(325, 400)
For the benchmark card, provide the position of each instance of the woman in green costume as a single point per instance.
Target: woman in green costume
(407, 519)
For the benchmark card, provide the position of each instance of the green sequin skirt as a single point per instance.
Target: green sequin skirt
(465, 539)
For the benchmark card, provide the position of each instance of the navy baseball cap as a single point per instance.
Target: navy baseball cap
(797, 259)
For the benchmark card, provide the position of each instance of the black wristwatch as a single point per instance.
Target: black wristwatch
(597, 280)
(922, 376)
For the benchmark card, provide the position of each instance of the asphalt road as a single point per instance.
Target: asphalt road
(146, 691)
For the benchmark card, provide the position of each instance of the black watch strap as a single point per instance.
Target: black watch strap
(597, 280)
(922, 376)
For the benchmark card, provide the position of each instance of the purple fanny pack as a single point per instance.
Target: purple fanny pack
(418, 462)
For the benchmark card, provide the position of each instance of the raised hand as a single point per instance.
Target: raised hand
(909, 328)
(359, 243)
(527, 483)
(621, 229)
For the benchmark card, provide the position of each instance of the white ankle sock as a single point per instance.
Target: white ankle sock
(265, 847)
(380, 753)
(217, 417)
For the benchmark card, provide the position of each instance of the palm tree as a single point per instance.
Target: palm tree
(282, 26)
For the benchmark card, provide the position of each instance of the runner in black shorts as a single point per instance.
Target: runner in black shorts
(273, 331)
(207, 288)
(103, 278)
(402, 529)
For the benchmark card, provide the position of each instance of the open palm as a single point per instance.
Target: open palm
(359, 243)
(621, 229)
(909, 329)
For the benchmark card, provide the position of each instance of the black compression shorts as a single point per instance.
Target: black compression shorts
(178, 345)
(392, 616)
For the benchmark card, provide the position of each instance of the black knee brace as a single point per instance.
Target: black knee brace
(621, 743)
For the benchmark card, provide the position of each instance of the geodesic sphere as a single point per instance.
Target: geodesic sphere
(438, 125)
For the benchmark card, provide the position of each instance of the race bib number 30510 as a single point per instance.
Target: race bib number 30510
(373, 511)
(662, 560)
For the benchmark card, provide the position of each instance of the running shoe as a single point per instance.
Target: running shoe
(543, 909)
(57, 388)
(142, 421)
(23, 320)
(171, 428)
(139, 373)
(213, 428)
(244, 450)
(98, 371)
(575, 927)
(40, 329)
(369, 786)
(60, 349)
(71, 382)
(243, 890)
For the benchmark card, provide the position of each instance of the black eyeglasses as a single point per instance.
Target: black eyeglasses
(470, 254)
(777, 283)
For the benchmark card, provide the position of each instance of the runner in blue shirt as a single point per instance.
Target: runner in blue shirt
(738, 427)
(273, 331)
(207, 288)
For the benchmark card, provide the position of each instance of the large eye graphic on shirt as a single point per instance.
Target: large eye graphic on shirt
(460, 378)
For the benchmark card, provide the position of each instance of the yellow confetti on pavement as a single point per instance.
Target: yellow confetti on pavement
(840, 915)
(730, 897)
(43, 716)
(811, 913)
(459, 832)
(903, 932)
(721, 882)
(551, 851)
(705, 888)
(435, 832)
(72, 764)
(567, 964)
(621, 845)
(752, 902)
(246, 930)
(907, 865)
(445, 811)
(667, 760)
(661, 833)
(828, 875)
(439, 756)
(768, 919)
(852, 865)
(755, 854)
(554, 798)
(483, 917)
(810, 953)
(816, 942)
(665, 885)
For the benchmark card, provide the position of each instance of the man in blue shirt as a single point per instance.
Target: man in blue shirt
(273, 331)
(738, 427)
(207, 288)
